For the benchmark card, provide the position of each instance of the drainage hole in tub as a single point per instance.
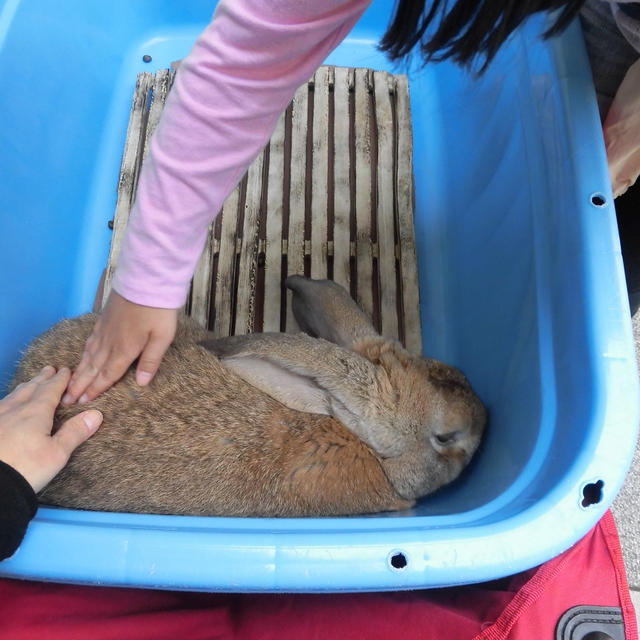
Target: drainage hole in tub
(598, 200)
(398, 560)
(592, 493)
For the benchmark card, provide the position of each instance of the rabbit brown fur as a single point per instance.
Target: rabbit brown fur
(211, 434)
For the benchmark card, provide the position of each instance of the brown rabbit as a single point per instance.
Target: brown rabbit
(269, 424)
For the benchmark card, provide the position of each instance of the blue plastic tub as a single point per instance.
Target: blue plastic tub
(521, 285)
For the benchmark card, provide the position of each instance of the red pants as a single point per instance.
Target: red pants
(523, 607)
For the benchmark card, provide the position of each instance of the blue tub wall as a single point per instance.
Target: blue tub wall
(520, 281)
(517, 315)
(522, 220)
(64, 109)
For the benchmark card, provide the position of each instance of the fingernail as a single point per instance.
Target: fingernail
(67, 399)
(143, 378)
(84, 398)
(92, 419)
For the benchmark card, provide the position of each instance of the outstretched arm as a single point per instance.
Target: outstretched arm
(227, 96)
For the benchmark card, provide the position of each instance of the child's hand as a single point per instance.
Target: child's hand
(123, 332)
(26, 418)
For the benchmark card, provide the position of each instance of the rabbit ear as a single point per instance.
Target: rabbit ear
(324, 309)
(247, 356)
(316, 376)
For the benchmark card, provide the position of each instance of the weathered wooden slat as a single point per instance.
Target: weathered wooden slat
(341, 179)
(363, 190)
(295, 244)
(273, 257)
(226, 265)
(384, 85)
(201, 284)
(319, 173)
(406, 233)
(129, 168)
(161, 84)
(248, 264)
(368, 115)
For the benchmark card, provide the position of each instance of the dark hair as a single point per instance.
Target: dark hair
(467, 29)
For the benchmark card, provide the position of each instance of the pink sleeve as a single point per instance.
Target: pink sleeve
(228, 93)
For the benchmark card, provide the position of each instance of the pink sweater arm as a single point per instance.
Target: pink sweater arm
(228, 94)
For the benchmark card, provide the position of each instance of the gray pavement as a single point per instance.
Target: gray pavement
(626, 507)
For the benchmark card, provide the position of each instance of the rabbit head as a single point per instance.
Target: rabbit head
(419, 416)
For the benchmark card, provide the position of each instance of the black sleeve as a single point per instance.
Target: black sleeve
(18, 504)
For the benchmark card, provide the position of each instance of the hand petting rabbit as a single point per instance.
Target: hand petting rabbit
(344, 422)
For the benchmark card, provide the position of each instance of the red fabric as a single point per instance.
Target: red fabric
(523, 607)
(591, 573)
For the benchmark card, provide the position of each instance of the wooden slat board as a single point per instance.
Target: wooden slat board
(129, 170)
(343, 203)
(273, 247)
(331, 196)
(364, 148)
(319, 166)
(297, 192)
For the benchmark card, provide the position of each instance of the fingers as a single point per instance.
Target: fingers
(25, 392)
(51, 386)
(46, 396)
(50, 454)
(48, 391)
(93, 381)
(150, 359)
(102, 365)
(93, 359)
(45, 373)
(76, 430)
(124, 332)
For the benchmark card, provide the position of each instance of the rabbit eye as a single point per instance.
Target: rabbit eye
(447, 438)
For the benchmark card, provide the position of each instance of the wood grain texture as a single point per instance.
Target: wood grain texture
(295, 243)
(320, 174)
(341, 177)
(332, 194)
(273, 256)
(384, 88)
(363, 190)
(129, 169)
(405, 207)
(248, 259)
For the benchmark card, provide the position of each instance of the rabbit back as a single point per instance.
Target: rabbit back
(200, 441)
